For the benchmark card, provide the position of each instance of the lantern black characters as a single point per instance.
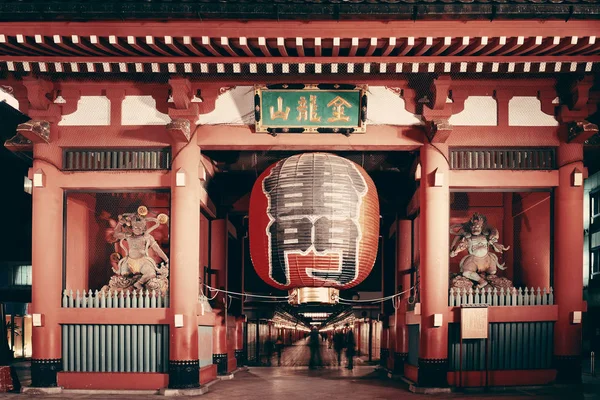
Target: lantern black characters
(314, 223)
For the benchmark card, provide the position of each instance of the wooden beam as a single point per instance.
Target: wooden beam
(300, 46)
(132, 41)
(170, 43)
(441, 46)
(116, 179)
(511, 45)
(372, 47)
(206, 203)
(227, 47)
(281, 47)
(312, 29)
(529, 45)
(407, 46)
(391, 45)
(502, 179)
(243, 42)
(459, 46)
(189, 44)
(95, 41)
(478, 44)
(58, 41)
(209, 47)
(114, 42)
(335, 50)
(512, 313)
(218, 137)
(423, 46)
(262, 45)
(353, 47)
(494, 46)
(318, 47)
(31, 47)
(78, 42)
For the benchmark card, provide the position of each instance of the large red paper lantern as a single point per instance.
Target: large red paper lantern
(314, 223)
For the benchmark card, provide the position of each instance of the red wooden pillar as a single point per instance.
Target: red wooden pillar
(220, 342)
(568, 263)
(391, 341)
(404, 261)
(384, 345)
(218, 262)
(46, 258)
(184, 269)
(434, 270)
(239, 341)
(508, 235)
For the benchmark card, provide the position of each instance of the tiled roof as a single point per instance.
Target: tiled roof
(23, 10)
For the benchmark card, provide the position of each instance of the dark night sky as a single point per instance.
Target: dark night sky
(15, 243)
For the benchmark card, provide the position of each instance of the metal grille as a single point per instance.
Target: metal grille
(414, 339)
(513, 345)
(507, 159)
(100, 160)
(115, 348)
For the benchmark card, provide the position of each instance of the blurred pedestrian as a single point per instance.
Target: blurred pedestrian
(315, 351)
(350, 346)
(278, 349)
(338, 345)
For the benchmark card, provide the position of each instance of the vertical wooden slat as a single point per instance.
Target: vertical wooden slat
(153, 348)
(519, 346)
(109, 352)
(526, 346)
(134, 348)
(128, 348)
(65, 347)
(147, 345)
(166, 347)
(160, 349)
(140, 349)
(78, 348)
(90, 347)
(115, 347)
(103, 350)
(71, 331)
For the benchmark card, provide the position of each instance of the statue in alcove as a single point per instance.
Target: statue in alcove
(133, 267)
(480, 265)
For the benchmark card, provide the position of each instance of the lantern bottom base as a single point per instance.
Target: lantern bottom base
(322, 295)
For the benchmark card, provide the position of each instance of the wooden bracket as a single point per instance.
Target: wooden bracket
(438, 131)
(181, 93)
(39, 93)
(580, 131)
(180, 129)
(37, 131)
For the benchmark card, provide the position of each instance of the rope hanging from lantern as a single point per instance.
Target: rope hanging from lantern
(373, 301)
(282, 299)
(246, 294)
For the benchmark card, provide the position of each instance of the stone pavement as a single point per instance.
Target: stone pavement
(293, 380)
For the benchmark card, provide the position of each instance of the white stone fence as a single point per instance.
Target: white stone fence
(114, 299)
(501, 297)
